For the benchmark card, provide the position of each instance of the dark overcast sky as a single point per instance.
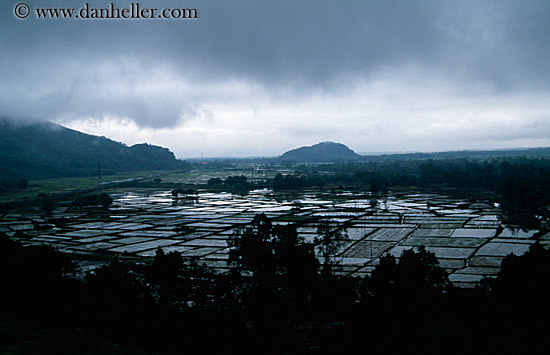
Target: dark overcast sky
(260, 77)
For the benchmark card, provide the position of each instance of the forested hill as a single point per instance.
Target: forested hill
(42, 149)
(321, 152)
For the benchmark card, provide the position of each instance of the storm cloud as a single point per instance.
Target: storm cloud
(260, 77)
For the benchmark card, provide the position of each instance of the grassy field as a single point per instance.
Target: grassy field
(67, 185)
(73, 185)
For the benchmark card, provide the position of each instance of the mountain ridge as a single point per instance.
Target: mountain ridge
(43, 149)
(337, 152)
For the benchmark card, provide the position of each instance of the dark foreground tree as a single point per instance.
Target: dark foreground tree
(416, 274)
(329, 244)
(522, 283)
(268, 251)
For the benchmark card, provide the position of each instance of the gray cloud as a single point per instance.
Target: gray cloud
(310, 42)
(160, 73)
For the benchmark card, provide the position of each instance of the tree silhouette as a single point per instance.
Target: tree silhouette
(523, 280)
(252, 247)
(415, 275)
(48, 204)
(267, 250)
(329, 244)
(105, 200)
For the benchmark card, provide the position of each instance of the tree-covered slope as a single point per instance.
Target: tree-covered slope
(321, 152)
(42, 149)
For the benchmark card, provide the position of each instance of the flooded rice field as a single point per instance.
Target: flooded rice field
(467, 237)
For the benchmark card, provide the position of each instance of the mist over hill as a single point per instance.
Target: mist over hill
(42, 149)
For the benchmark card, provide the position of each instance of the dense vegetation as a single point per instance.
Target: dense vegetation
(276, 300)
(102, 199)
(43, 149)
(13, 184)
(230, 183)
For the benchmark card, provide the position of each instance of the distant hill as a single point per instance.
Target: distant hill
(321, 152)
(334, 152)
(459, 154)
(42, 149)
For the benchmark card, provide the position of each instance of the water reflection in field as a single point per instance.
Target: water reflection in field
(464, 235)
